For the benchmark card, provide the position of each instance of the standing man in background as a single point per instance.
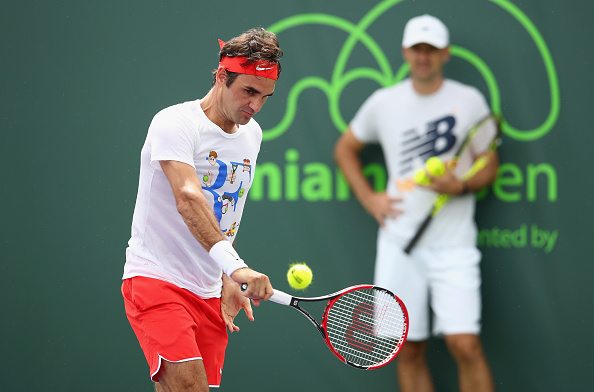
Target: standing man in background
(181, 274)
(442, 273)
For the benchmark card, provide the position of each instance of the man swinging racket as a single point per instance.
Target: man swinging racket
(181, 276)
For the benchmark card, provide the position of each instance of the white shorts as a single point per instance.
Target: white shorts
(445, 281)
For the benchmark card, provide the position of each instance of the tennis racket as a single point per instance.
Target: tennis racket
(482, 138)
(365, 326)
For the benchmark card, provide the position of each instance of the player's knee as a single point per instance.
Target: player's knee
(183, 377)
(184, 385)
(464, 347)
(191, 385)
(412, 352)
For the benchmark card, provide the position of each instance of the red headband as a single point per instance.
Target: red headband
(259, 68)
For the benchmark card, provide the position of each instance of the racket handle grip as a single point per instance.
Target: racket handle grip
(278, 296)
(281, 297)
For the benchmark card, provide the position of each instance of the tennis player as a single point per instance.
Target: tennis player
(423, 116)
(180, 282)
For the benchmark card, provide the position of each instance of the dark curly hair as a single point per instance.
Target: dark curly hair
(257, 44)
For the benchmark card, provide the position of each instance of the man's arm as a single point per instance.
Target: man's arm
(199, 217)
(487, 175)
(192, 204)
(346, 154)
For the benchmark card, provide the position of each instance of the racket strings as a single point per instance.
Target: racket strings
(479, 141)
(366, 326)
(361, 346)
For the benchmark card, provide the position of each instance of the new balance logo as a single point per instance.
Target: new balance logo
(438, 139)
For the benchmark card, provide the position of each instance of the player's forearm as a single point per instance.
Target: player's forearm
(357, 181)
(203, 225)
(483, 177)
(192, 204)
(198, 216)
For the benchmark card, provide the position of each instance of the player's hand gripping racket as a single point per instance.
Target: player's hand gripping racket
(482, 138)
(365, 326)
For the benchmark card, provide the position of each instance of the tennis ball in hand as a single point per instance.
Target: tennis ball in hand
(435, 167)
(421, 178)
(299, 276)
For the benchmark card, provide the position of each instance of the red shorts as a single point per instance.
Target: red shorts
(175, 325)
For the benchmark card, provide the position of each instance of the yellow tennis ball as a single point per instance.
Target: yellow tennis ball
(299, 276)
(420, 177)
(435, 167)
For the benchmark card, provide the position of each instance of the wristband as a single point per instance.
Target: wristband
(226, 257)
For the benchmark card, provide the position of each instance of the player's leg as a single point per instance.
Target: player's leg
(187, 376)
(456, 303)
(412, 370)
(473, 369)
(406, 276)
(182, 336)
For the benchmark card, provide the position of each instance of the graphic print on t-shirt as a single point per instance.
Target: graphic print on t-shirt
(224, 202)
(437, 140)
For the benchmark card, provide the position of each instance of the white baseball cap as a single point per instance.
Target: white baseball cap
(425, 29)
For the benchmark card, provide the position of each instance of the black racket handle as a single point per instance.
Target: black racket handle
(418, 234)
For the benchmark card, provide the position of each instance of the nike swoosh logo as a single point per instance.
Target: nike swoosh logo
(258, 68)
(232, 255)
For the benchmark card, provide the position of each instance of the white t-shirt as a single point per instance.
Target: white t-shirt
(412, 128)
(161, 245)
